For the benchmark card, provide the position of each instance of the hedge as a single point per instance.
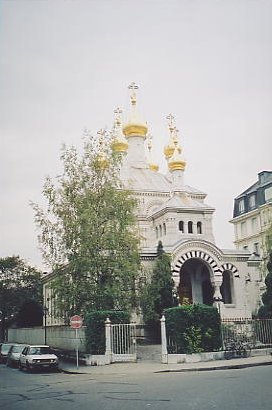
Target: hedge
(95, 328)
(193, 328)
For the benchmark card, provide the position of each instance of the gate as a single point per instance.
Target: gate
(123, 342)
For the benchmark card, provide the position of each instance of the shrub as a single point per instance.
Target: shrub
(95, 328)
(193, 328)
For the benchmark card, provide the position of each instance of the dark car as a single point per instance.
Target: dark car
(14, 354)
(4, 349)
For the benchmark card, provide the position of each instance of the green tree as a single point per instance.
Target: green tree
(265, 311)
(159, 293)
(88, 231)
(19, 283)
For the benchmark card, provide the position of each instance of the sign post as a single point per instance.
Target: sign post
(76, 323)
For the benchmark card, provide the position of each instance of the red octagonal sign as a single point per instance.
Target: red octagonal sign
(76, 322)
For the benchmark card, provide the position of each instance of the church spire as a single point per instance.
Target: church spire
(152, 165)
(135, 126)
(119, 143)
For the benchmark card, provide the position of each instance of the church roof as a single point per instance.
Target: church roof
(183, 201)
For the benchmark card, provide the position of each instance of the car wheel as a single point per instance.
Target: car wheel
(20, 367)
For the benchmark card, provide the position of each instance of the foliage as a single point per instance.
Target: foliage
(265, 311)
(95, 328)
(88, 232)
(193, 328)
(19, 283)
(159, 293)
(30, 314)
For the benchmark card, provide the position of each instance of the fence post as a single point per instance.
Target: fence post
(164, 356)
(108, 340)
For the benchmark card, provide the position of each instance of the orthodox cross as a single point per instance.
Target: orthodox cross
(118, 113)
(132, 87)
(171, 122)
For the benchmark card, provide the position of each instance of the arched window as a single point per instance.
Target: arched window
(199, 227)
(164, 228)
(181, 226)
(225, 288)
(160, 230)
(157, 233)
(190, 227)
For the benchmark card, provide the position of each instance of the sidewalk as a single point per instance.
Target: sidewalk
(146, 367)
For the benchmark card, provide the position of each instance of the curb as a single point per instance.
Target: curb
(225, 367)
(192, 369)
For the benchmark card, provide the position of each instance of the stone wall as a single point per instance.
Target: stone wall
(59, 337)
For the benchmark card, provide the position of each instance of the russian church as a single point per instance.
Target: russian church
(177, 214)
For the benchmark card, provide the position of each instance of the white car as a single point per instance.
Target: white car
(37, 357)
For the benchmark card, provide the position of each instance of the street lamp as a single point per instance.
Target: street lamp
(45, 311)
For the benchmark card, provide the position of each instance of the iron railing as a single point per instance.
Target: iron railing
(256, 332)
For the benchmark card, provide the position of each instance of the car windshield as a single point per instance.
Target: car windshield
(17, 349)
(39, 350)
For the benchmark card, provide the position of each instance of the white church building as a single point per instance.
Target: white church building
(176, 214)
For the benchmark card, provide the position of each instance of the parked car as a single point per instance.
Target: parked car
(4, 349)
(37, 357)
(14, 354)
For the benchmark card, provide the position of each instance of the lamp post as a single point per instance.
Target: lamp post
(45, 311)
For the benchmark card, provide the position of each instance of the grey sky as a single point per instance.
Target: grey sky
(66, 65)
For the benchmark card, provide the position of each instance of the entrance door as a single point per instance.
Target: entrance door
(195, 283)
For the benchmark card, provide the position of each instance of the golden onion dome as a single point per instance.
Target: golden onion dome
(169, 149)
(119, 145)
(135, 126)
(102, 161)
(154, 167)
(176, 162)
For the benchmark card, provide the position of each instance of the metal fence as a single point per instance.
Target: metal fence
(256, 332)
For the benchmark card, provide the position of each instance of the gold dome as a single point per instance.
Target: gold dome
(176, 162)
(169, 149)
(102, 161)
(135, 129)
(119, 145)
(154, 167)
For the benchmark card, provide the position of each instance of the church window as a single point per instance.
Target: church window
(164, 228)
(160, 228)
(190, 227)
(225, 288)
(157, 233)
(181, 226)
(199, 227)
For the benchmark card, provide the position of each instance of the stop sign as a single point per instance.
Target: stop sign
(76, 322)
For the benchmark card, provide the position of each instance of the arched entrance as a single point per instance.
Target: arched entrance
(195, 283)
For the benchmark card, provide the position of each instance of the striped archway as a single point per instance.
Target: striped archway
(195, 254)
(230, 267)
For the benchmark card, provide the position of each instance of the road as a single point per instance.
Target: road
(243, 389)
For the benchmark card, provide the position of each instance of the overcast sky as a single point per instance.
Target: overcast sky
(66, 65)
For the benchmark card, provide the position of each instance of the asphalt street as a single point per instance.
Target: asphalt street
(239, 389)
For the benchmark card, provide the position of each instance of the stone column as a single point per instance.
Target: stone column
(108, 352)
(164, 358)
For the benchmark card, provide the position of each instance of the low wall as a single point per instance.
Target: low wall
(59, 337)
